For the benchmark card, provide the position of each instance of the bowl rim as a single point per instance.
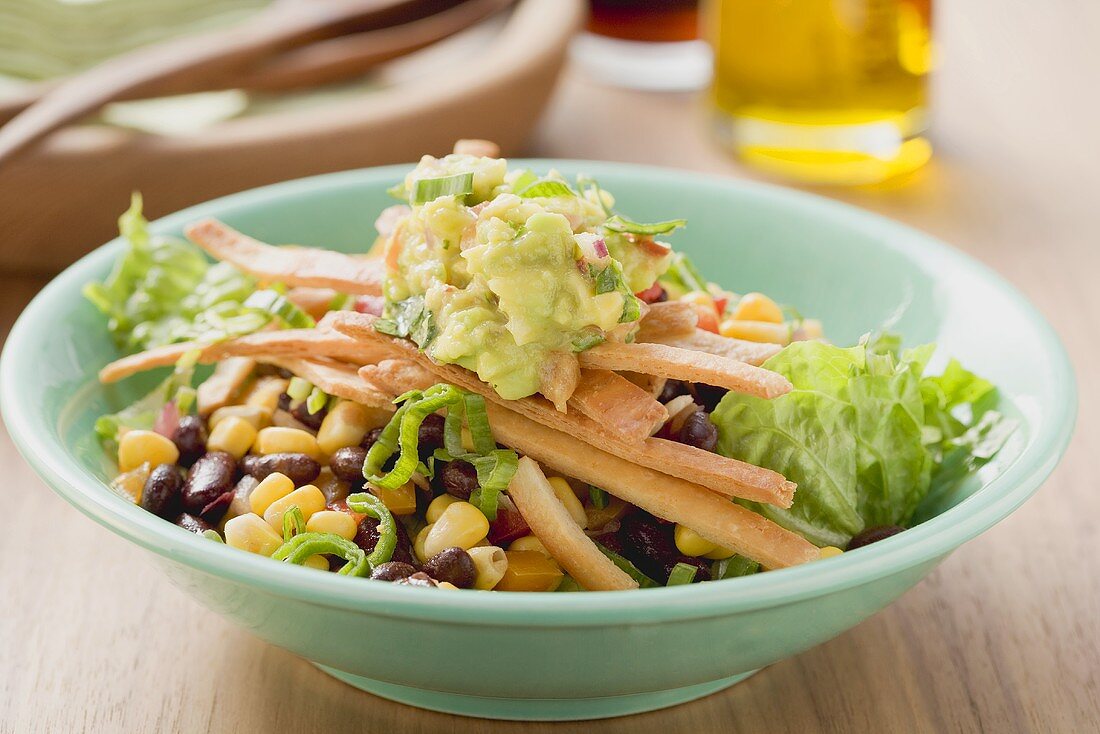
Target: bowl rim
(926, 542)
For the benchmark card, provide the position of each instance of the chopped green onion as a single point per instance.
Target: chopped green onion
(546, 188)
(494, 473)
(586, 184)
(568, 583)
(303, 546)
(294, 523)
(185, 399)
(342, 302)
(644, 582)
(597, 497)
(212, 535)
(524, 180)
(368, 504)
(734, 566)
(683, 272)
(299, 389)
(587, 341)
(385, 445)
(278, 305)
(316, 401)
(477, 420)
(616, 223)
(682, 573)
(433, 399)
(430, 189)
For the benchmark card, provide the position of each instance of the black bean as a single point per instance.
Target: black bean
(453, 565)
(699, 432)
(430, 436)
(312, 420)
(672, 389)
(366, 537)
(347, 464)
(371, 437)
(210, 478)
(873, 535)
(299, 468)
(612, 541)
(418, 579)
(458, 479)
(190, 439)
(161, 495)
(648, 544)
(284, 402)
(707, 395)
(392, 571)
(195, 524)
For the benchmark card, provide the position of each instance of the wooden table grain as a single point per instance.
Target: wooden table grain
(1003, 637)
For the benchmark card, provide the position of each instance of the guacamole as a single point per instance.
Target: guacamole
(511, 271)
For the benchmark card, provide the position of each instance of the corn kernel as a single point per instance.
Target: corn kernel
(461, 525)
(568, 498)
(690, 543)
(421, 539)
(756, 331)
(308, 499)
(277, 440)
(273, 487)
(233, 435)
(699, 298)
(757, 307)
(829, 551)
(318, 562)
(345, 425)
(438, 505)
(529, 571)
(138, 447)
(491, 563)
(446, 585)
(720, 553)
(249, 532)
(400, 501)
(257, 417)
(265, 393)
(529, 543)
(332, 521)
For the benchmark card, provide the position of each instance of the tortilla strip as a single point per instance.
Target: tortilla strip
(314, 301)
(335, 378)
(225, 384)
(683, 364)
(671, 318)
(551, 523)
(754, 353)
(618, 403)
(289, 342)
(723, 475)
(292, 266)
(671, 498)
(559, 377)
(712, 516)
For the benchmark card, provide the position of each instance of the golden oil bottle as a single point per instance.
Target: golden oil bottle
(824, 91)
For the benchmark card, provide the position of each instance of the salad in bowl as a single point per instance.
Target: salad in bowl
(516, 387)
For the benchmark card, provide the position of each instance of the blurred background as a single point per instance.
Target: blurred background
(974, 120)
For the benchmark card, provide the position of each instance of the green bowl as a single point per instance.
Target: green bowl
(575, 656)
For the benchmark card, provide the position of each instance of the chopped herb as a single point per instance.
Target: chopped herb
(617, 223)
(524, 180)
(734, 566)
(546, 188)
(279, 306)
(587, 341)
(597, 497)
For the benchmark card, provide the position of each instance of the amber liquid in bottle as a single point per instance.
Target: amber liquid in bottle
(826, 91)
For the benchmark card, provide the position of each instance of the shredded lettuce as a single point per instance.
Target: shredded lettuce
(163, 290)
(864, 434)
(142, 414)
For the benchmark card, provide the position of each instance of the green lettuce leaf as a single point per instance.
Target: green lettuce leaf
(864, 434)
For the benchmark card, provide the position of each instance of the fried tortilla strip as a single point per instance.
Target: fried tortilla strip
(292, 266)
(551, 523)
(668, 319)
(337, 379)
(477, 146)
(723, 475)
(682, 364)
(754, 353)
(559, 378)
(671, 498)
(289, 342)
(225, 384)
(619, 404)
(712, 516)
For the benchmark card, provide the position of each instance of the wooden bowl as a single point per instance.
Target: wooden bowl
(63, 197)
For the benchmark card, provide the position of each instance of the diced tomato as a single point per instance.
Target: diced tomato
(652, 247)
(509, 524)
(708, 318)
(652, 294)
(369, 304)
(720, 304)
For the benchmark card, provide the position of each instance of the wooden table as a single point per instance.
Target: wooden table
(1005, 636)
